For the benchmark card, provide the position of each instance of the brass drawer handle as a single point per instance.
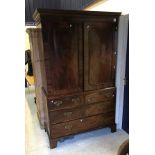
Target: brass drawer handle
(68, 126)
(89, 100)
(57, 103)
(76, 99)
(67, 114)
(81, 120)
(88, 26)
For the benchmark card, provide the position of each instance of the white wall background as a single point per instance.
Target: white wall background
(110, 5)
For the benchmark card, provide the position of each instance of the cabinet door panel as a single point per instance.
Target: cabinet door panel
(99, 55)
(64, 65)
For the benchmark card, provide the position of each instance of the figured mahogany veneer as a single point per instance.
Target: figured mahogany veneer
(74, 61)
(101, 95)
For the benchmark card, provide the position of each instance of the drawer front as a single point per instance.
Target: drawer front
(65, 102)
(102, 95)
(98, 108)
(66, 115)
(72, 127)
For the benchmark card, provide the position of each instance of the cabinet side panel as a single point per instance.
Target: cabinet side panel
(38, 70)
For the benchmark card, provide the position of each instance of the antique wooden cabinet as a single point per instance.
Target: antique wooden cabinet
(74, 60)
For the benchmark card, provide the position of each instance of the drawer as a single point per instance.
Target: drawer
(98, 108)
(65, 102)
(76, 126)
(102, 95)
(66, 115)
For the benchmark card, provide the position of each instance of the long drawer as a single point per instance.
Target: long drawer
(65, 102)
(80, 112)
(72, 127)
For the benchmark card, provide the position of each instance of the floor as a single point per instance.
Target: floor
(98, 142)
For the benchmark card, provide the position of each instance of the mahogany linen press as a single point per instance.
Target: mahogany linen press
(74, 62)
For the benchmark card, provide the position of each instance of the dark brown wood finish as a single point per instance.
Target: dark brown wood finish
(101, 95)
(64, 57)
(82, 14)
(53, 141)
(99, 50)
(64, 115)
(76, 69)
(79, 125)
(98, 108)
(36, 44)
(46, 113)
(66, 102)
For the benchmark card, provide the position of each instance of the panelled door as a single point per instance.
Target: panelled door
(63, 43)
(99, 55)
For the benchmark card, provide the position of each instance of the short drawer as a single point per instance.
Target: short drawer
(66, 115)
(99, 96)
(76, 126)
(101, 107)
(65, 102)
